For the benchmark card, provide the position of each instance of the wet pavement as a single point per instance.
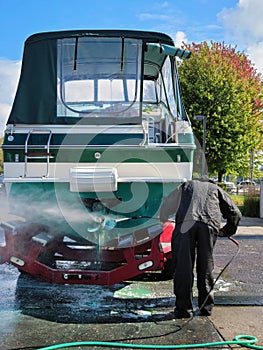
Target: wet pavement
(36, 314)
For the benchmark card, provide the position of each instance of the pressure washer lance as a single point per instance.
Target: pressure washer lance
(221, 272)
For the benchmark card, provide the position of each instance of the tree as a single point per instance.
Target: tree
(222, 84)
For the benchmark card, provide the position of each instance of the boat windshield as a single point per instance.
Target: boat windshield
(75, 77)
(99, 76)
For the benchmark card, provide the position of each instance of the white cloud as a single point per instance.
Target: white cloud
(244, 25)
(255, 53)
(152, 16)
(165, 4)
(245, 21)
(180, 37)
(4, 112)
(9, 75)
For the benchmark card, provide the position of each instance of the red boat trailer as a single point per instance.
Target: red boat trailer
(35, 251)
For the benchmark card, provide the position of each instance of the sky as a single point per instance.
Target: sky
(236, 22)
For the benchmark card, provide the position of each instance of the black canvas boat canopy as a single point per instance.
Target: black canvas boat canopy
(143, 35)
(36, 97)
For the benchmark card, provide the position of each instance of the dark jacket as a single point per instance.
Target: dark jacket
(202, 201)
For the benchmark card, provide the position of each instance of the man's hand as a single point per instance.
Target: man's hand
(222, 233)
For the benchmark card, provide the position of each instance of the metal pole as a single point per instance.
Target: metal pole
(204, 146)
(203, 118)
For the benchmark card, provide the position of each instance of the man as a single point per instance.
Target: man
(199, 206)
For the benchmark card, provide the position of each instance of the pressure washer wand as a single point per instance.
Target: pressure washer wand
(224, 268)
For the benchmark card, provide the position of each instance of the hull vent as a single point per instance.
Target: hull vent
(91, 179)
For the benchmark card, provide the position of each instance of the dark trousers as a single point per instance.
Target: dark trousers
(190, 241)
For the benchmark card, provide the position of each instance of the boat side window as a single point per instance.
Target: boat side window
(98, 76)
(155, 95)
(168, 91)
(160, 90)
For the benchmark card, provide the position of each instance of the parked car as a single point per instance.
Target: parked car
(230, 187)
(246, 183)
(248, 186)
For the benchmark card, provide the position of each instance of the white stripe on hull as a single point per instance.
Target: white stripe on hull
(126, 172)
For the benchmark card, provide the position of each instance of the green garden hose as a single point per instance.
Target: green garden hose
(247, 341)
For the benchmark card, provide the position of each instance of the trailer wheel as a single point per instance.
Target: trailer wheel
(168, 269)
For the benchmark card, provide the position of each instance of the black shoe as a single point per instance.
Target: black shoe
(182, 313)
(204, 312)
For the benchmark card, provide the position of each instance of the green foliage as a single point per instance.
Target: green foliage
(251, 206)
(239, 200)
(222, 84)
(222, 185)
